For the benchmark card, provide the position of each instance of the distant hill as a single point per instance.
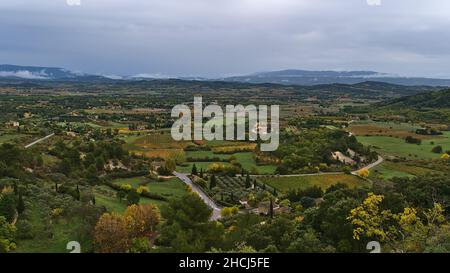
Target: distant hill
(437, 99)
(8, 71)
(291, 77)
(304, 77)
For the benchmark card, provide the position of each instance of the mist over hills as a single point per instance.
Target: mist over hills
(304, 77)
(283, 77)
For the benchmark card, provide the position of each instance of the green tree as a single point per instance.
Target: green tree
(194, 170)
(248, 182)
(188, 228)
(133, 197)
(20, 204)
(100, 163)
(8, 203)
(212, 182)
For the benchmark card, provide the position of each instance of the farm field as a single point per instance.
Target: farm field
(170, 188)
(284, 184)
(391, 146)
(388, 170)
(245, 159)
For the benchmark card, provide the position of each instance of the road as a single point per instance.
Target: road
(208, 201)
(370, 166)
(39, 140)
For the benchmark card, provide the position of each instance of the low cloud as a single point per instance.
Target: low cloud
(24, 74)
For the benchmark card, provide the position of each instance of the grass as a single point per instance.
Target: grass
(245, 159)
(391, 146)
(9, 136)
(284, 184)
(53, 238)
(390, 169)
(172, 188)
(106, 197)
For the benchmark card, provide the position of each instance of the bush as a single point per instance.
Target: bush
(307, 202)
(437, 149)
(413, 140)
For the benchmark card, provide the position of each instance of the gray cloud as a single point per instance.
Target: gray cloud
(226, 37)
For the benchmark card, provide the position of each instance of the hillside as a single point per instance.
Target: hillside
(437, 99)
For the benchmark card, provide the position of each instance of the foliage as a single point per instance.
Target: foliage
(7, 236)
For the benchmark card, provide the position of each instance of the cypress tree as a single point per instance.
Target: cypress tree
(20, 204)
(248, 183)
(77, 193)
(271, 208)
(194, 170)
(212, 182)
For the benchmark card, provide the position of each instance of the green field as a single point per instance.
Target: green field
(284, 184)
(245, 159)
(170, 188)
(6, 137)
(391, 146)
(53, 238)
(388, 170)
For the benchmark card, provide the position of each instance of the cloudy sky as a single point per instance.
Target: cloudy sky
(227, 37)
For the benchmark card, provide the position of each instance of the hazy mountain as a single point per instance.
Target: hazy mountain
(284, 77)
(304, 77)
(43, 73)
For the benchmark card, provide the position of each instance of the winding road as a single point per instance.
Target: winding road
(208, 201)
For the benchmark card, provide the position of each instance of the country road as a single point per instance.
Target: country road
(39, 140)
(208, 201)
(370, 166)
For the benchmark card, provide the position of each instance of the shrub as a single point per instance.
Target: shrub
(437, 149)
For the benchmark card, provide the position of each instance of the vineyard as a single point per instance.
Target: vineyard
(230, 190)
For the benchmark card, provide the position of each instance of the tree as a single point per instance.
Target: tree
(8, 205)
(248, 182)
(20, 204)
(16, 188)
(271, 208)
(402, 232)
(7, 236)
(194, 170)
(171, 165)
(111, 234)
(100, 163)
(188, 228)
(229, 211)
(201, 172)
(212, 182)
(142, 220)
(445, 156)
(364, 173)
(91, 174)
(77, 193)
(133, 197)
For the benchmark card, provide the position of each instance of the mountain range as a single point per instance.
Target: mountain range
(284, 77)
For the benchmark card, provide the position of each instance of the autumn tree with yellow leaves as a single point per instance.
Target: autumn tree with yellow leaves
(115, 233)
(402, 232)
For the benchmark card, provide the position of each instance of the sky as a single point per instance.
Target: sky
(216, 38)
